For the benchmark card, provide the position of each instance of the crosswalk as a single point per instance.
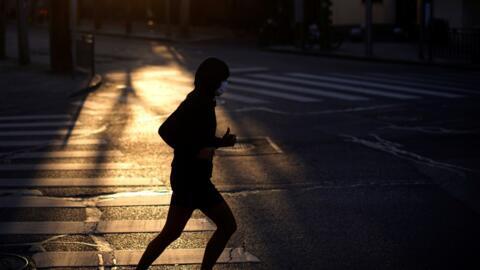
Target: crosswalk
(36, 155)
(297, 87)
(260, 86)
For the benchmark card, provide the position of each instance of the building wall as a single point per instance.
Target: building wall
(449, 10)
(352, 12)
(471, 13)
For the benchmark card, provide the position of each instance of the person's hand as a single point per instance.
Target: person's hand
(228, 139)
(206, 153)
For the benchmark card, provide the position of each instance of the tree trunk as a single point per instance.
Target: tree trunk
(60, 36)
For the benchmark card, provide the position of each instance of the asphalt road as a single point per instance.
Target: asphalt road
(341, 164)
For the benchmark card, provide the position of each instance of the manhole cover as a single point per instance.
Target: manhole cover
(12, 262)
(239, 147)
(251, 147)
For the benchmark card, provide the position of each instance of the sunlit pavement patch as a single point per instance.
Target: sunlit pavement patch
(251, 147)
(131, 257)
(47, 132)
(79, 182)
(68, 154)
(53, 202)
(114, 226)
(69, 166)
(35, 117)
(53, 142)
(41, 124)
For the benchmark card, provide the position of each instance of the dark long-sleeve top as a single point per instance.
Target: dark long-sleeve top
(188, 129)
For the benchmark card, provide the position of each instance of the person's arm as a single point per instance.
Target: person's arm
(226, 141)
(178, 132)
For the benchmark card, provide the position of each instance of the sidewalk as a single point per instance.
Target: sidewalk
(34, 88)
(142, 30)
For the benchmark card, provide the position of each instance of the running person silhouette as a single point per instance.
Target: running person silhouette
(190, 131)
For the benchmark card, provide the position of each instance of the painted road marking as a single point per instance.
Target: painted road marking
(337, 86)
(380, 85)
(132, 257)
(68, 166)
(53, 142)
(405, 82)
(244, 99)
(78, 182)
(248, 69)
(468, 80)
(36, 117)
(69, 154)
(448, 86)
(46, 132)
(105, 226)
(299, 89)
(41, 124)
(102, 201)
(280, 95)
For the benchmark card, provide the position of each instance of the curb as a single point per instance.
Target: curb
(106, 34)
(93, 84)
(374, 59)
(151, 38)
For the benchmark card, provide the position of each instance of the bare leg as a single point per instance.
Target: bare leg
(226, 226)
(176, 221)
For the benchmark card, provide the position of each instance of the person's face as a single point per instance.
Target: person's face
(222, 88)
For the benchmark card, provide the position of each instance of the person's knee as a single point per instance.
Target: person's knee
(170, 235)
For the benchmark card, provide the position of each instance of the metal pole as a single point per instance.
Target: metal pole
(60, 35)
(299, 22)
(184, 17)
(368, 28)
(3, 30)
(128, 17)
(168, 29)
(428, 26)
(73, 24)
(421, 37)
(23, 48)
(97, 10)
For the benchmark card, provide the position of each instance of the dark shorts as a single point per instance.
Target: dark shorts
(200, 197)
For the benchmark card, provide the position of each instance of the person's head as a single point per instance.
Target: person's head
(211, 76)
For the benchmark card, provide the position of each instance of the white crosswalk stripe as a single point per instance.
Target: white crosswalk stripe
(335, 85)
(401, 81)
(244, 99)
(67, 154)
(280, 95)
(36, 117)
(298, 89)
(115, 258)
(40, 124)
(77, 182)
(248, 69)
(380, 85)
(111, 226)
(422, 82)
(135, 199)
(457, 79)
(67, 166)
(8, 143)
(56, 132)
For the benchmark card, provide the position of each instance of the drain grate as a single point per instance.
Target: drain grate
(239, 147)
(251, 147)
